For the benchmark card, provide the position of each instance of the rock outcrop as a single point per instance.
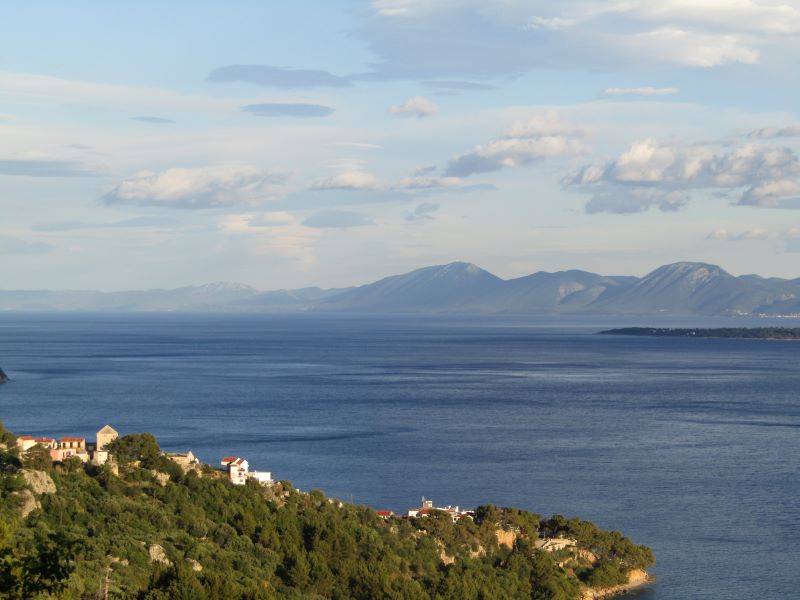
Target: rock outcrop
(3, 376)
(196, 566)
(27, 502)
(157, 554)
(505, 538)
(40, 482)
(636, 579)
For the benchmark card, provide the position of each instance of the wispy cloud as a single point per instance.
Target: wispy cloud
(154, 120)
(641, 91)
(288, 110)
(211, 187)
(135, 222)
(46, 167)
(277, 77)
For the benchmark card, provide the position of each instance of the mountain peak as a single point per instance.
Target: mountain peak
(696, 272)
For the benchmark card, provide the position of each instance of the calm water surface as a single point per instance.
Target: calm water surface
(690, 446)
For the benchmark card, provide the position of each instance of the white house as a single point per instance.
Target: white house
(262, 477)
(237, 469)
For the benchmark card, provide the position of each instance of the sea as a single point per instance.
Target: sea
(691, 446)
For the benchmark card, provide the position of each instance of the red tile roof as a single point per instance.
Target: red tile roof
(384, 513)
(73, 439)
(44, 440)
(25, 437)
(229, 459)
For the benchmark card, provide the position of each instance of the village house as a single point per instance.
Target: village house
(185, 460)
(69, 447)
(76, 443)
(237, 469)
(427, 507)
(239, 473)
(384, 514)
(99, 450)
(25, 442)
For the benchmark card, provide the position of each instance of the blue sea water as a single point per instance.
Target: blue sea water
(688, 445)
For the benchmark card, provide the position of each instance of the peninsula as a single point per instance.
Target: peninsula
(750, 333)
(120, 518)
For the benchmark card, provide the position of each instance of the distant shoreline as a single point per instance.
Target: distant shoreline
(741, 333)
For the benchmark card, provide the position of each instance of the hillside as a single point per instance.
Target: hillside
(69, 530)
(684, 288)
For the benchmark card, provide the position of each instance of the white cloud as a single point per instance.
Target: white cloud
(515, 36)
(673, 46)
(349, 180)
(650, 171)
(526, 142)
(210, 187)
(740, 15)
(418, 107)
(770, 192)
(640, 91)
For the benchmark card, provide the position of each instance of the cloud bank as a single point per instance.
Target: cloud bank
(652, 173)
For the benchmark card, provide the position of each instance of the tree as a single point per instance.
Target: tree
(141, 447)
(37, 458)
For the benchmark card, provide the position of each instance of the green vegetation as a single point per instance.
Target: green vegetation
(759, 333)
(198, 537)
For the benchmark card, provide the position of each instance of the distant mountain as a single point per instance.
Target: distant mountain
(455, 287)
(683, 288)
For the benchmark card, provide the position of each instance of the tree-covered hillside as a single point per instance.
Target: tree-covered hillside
(155, 532)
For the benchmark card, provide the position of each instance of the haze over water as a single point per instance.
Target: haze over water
(687, 445)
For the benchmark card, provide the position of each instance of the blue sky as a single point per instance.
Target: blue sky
(156, 144)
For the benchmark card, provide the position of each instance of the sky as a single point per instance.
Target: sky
(288, 144)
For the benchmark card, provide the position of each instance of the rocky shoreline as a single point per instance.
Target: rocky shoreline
(636, 579)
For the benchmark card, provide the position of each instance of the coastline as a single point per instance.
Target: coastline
(637, 579)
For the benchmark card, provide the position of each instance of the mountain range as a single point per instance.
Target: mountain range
(683, 288)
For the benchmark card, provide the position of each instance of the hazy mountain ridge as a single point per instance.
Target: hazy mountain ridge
(683, 288)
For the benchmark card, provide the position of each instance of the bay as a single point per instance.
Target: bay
(688, 445)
